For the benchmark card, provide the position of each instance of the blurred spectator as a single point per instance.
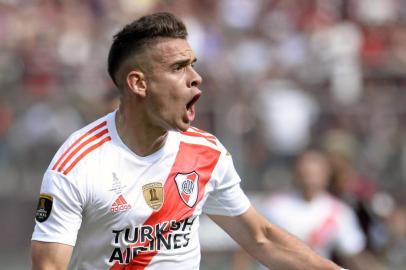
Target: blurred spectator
(337, 42)
(395, 250)
(287, 114)
(325, 223)
(376, 11)
(355, 190)
(280, 76)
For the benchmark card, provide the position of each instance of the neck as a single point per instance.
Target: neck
(142, 138)
(310, 195)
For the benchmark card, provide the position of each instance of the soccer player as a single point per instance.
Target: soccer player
(313, 215)
(126, 191)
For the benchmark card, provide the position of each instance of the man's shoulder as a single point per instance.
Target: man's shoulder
(90, 129)
(79, 144)
(281, 198)
(337, 205)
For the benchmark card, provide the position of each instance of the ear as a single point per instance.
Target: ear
(136, 83)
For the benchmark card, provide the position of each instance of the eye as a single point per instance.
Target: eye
(178, 67)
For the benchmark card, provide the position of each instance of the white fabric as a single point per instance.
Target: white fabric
(301, 218)
(99, 206)
(280, 102)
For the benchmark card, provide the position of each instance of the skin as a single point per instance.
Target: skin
(312, 177)
(154, 102)
(312, 174)
(270, 245)
(50, 256)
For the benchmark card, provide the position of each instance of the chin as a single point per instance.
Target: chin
(183, 127)
(180, 125)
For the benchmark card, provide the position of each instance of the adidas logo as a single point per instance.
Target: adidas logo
(120, 205)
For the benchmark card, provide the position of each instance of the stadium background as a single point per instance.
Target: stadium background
(278, 76)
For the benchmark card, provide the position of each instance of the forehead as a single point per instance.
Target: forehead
(312, 157)
(167, 51)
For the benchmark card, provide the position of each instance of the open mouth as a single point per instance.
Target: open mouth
(190, 108)
(192, 101)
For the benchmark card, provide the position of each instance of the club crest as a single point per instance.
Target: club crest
(188, 188)
(153, 195)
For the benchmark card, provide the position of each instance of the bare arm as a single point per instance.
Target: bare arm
(363, 260)
(271, 245)
(50, 256)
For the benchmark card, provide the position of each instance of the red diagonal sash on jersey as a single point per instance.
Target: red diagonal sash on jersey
(210, 138)
(190, 157)
(319, 235)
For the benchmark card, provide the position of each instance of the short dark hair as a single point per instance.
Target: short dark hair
(132, 39)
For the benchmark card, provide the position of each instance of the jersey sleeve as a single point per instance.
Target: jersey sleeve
(350, 238)
(59, 211)
(227, 198)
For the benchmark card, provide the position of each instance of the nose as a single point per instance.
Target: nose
(195, 79)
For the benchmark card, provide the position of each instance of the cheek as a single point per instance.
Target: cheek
(171, 101)
(164, 105)
(166, 95)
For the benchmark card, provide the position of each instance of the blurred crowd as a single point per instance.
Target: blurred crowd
(279, 76)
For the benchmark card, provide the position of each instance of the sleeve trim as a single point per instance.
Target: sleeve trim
(43, 237)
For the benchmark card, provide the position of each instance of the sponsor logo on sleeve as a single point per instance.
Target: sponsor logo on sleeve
(44, 207)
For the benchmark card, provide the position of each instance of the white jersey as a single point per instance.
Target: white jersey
(123, 211)
(325, 223)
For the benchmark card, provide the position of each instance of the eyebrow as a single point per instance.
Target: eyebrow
(184, 62)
